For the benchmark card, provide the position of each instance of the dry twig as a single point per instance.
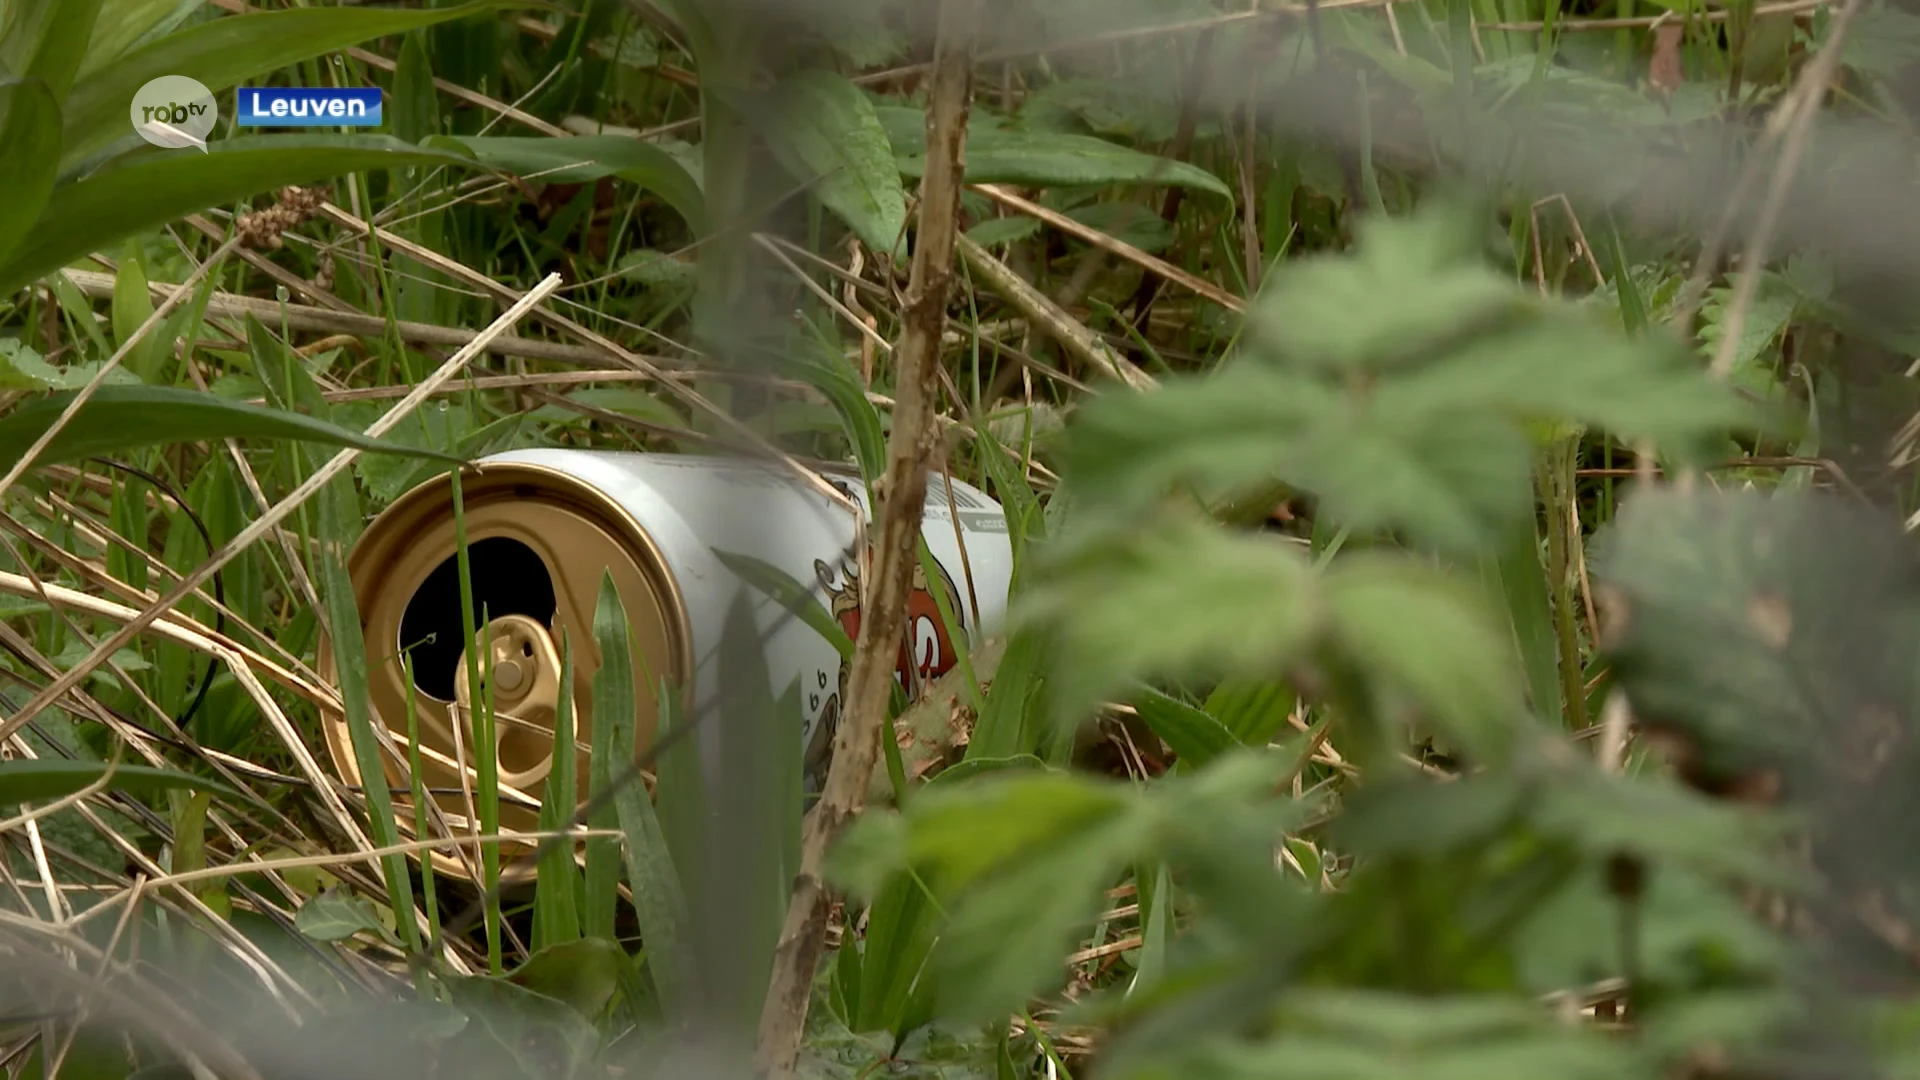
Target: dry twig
(902, 504)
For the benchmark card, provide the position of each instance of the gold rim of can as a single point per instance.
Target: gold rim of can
(578, 533)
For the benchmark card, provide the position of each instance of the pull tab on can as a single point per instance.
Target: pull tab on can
(520, 658)
(680, 539)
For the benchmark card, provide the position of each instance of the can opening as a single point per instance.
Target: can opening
(509, 578)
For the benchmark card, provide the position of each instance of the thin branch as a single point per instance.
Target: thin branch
(902, 496)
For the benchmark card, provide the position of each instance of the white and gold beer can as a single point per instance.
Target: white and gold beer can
(545, 527)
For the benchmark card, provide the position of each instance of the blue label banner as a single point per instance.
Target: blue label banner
(307, 106)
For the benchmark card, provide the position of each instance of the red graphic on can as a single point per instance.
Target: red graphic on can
(926, 649)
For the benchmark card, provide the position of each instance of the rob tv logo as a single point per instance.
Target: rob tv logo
(307, 106)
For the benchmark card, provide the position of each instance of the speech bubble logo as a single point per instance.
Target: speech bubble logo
(176, 112)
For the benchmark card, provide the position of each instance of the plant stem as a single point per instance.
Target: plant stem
(902, 502)
(1557, 491)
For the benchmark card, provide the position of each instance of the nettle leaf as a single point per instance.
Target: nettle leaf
(1772, 632)
(1774, 305)
(964, 831)
(1220, 603)
(1420, 279)
(1350, 1035)
(1570, 368)
(1414, 419)
(1884, 43)
(1234, 428)
(827, 134)
(1005, 942)
(337, 915)
(1376, 460)
(22, 368)
(1021, 859)
(1413, 628)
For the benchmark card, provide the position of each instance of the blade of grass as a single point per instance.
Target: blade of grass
(339, 505)
(556, 896)
(658, 900)
(485, 763)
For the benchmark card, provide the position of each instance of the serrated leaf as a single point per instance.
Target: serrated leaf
(1222, 603)
(337, 915)
(1380, 461)
(963, 831)
(827, 133)
(1421, 279)
(1410, 627)
(1773, 631)
(1774, 305)
(21, 368)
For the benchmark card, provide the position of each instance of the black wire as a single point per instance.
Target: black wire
(219, 587)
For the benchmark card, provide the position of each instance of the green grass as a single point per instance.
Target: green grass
(1076, 865)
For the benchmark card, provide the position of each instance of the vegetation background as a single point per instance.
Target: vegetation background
(1458, 454)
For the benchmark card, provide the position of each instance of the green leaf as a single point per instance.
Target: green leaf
(1769, 632)
(336, 915)
(823, 365)
(1221, 603)
(1005, 942)
(123, 24)
(1429, 264)
(1775, 303)
(29, 151)
(827, 134)
(415, 102)
(965, 831)
(556, 892)
(792, 596)
(658, 902)
(23, 369)
(1415, 629)
(585, 158)
(1004, 230)
(150, 189)
(1001, 155)
(1254, 710)
(1194, 737)
(45, 40)
(583, 973)
(132, 306)
(41, 780)
(1416, 420)
(430, 429)
(520, 1033)
(117, 418)
(225, 52)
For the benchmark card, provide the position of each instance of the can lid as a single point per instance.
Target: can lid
(539, 545)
